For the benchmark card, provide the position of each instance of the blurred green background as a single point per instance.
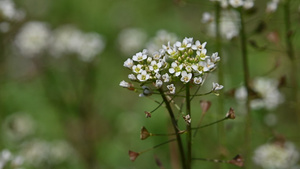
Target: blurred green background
(82, 103)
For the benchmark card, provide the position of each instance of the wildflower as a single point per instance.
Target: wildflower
(131, 40)
(175, 69)
(236, 3)
(32, 39)
(144, 76)
(187, 119)
(272, 6)
(206, 18)
(131, 77)
(155, 66)
(276, 156)
(215, 58)
(185, 77)
(216, 87)
(197, 80)
(162, 37)
(186, 43)
(158, 83)
(166, 77)
(139, 57)
(125, 84)
(137, 68)
(269, 96)
(128, 63)
(171, 88)
(248, 4)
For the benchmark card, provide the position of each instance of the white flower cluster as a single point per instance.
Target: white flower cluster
(185, 61)
(39, 152)
(246, 4)
(229, 24)
(272, 6)
(8, 160)
(35, 38)
(9, 13)
(68, 40)
(131, 40)
(23, 126)
(269, 95)
(275, 156)
(161, 37)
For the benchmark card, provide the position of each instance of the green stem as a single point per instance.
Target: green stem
(291, 54)
(188, 127)
(246, 82)
(174, 123)
(221, 100)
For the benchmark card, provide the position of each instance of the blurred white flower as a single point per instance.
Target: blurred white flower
(9, 12)
(272, 6)
(39, 153)
(236, 3)
(270, 97)
(131, 40)
(229, 24)
(18, 126)
(33, 38)
(68, 40)
(9, 160)
(162, 37)
(276, 156)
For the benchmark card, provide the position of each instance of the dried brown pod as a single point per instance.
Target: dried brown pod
(148, 114)
(230, 114)
(237, 160)
(144, 133)
(205, 105)
(133, 155)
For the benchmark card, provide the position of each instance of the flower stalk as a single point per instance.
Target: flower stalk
(188, 127)
(174, 123)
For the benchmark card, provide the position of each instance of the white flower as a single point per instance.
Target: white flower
(272, 6)
(131, 77)
(155, 66)
(139, 57)
(128, 63)
(162, 37)
(158, 83)
(236, 3)
(9, 12)
(166, 77)
(33, 38)
(137, 68)
(270, 97)
(171, 88)
(186, 43)
(144, 76)
(209, 65)
(173, 52)
(206, 18)
(214, 57)
(216, 87)
(200, 67)
(175, 68)
(188, 68)
(248, 4)
(185, 77)
(125, 84)
(157, 76)
(276, 156)
(198, 45)
(202, 54)
(131, 40)
(229, 25)
(197, 80)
